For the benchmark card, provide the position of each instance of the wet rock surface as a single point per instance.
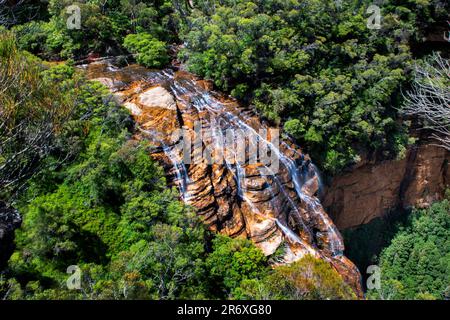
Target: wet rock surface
(251, 185)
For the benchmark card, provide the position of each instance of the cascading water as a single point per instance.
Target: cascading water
(273, 207)
(204, 101)
(182, 177)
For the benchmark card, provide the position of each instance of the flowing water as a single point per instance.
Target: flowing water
(271, 205)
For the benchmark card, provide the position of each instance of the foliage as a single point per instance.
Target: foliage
(307, 279)
(32, 36)
(313, 62)
(150, 52)
(233, 261)
(417, 262)
(90, 195)
(315, 65)
(106, 209)
(104, 25)
(32, 110)
(241, 271)
(95, 199)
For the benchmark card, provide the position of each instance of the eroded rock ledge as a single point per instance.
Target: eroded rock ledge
(275, 208)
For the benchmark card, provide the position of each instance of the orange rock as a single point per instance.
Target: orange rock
(371, 190)
(237, 199)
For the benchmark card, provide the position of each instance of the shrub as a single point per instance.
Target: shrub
(32, 36)
(295, 128)
(305, 279)
(150, 52)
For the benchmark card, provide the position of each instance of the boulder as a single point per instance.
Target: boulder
(157, 97)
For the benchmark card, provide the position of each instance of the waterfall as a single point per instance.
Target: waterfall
(290, 204)
(204, 101)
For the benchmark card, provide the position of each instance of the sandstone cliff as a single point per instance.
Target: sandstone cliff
(371, 190)
(273, 202)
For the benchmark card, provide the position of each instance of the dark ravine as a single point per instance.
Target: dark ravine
(273, 209)
(374, 189)
(10, 220)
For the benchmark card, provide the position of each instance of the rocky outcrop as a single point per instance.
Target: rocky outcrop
(9, 221)
(157, 97)
(372, 190)
(245, 184)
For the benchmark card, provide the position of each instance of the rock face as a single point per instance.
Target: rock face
(9, 221)
(371, 190)
(241, 179)
(157, 97)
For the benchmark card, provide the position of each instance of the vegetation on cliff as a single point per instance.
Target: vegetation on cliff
(313, 66)
(306, 279)
(103, 26)
(150, 52)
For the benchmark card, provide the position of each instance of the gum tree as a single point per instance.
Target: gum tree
(429, 99)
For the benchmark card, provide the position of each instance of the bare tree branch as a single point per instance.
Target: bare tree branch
(30, 114)
(429, 99)
(8, 12)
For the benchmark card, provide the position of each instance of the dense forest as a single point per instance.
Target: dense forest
(411, 250)
(89, 194)
(278, 55)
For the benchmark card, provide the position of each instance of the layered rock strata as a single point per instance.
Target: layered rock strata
(373, 189)
(230, 167)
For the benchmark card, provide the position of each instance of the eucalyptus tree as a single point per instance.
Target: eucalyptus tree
(429, 98)
(31, 111)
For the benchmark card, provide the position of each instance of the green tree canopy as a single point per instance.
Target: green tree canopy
(417, 262)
